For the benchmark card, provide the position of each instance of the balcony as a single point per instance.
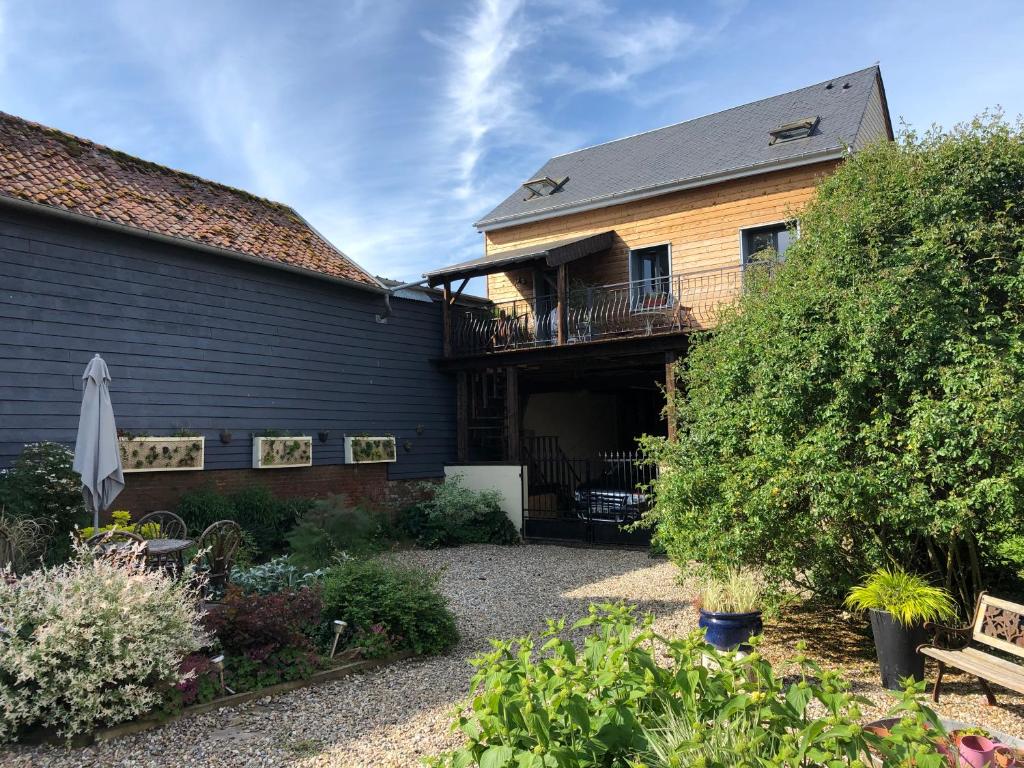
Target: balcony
(677, 304)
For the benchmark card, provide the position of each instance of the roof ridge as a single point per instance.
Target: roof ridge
(710, 114)
(65, 137)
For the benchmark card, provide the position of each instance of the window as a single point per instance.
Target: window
(766, 244)
(649, 271)
(798, 129)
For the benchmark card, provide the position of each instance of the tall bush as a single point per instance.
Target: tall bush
(373, 596)
(91, 642)
(453, 514)
(42, 486)
(865, 405)
(263, 516)
(267, 638)
(331, 528)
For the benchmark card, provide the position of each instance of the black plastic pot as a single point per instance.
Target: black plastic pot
(726, 631)
(896, 647)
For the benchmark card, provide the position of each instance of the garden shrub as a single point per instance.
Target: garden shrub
(199, 683)
(28, 539)
(453, 514)
(121, 520)
(331, 528)
(863, 406)
(267, 517)
(43, 486)
(276, 575)
(613, 704)
(262, 515)
(92, 642)
(203, 507)
(266, 638)
(380, 598)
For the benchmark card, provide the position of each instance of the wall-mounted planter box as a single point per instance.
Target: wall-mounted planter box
(370, 450)
(162, 454)
(282, 452)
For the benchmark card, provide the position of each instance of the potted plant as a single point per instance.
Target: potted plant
(730, 609)
(899, 603)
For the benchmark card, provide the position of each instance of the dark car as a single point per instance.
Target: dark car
(613, 497)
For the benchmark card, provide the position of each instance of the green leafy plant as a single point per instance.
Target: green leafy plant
(906, 596)
(43, 486)
(331, 528)
(267, 638)
(861, 406)
(282, 450)
(276, 575)
(141, 452)
(403, 602)
(611, 703)
(737, 592)
(261, 514)
(453, 514)
(373, 449)
(203, 507)
(121, 520)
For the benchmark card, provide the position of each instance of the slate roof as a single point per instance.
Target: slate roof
(55, 169)
(700, 149)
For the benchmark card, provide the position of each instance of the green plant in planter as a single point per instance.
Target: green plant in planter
(738, 592)
(899, 604)
(907, 597)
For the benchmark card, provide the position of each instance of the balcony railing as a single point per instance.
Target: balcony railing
(688, 301)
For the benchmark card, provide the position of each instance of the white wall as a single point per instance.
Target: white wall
(507, 479)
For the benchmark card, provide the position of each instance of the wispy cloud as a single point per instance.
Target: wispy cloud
(483, 102)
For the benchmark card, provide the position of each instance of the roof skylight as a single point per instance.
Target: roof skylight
(543, 186)
(797, 129)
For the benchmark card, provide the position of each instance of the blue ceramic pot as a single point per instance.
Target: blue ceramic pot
(727, 631)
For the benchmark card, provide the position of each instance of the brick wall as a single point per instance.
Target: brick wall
(367, 485)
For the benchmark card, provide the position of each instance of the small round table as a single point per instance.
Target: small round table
(167, 553)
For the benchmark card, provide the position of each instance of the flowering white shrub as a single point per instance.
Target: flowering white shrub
(92, 642)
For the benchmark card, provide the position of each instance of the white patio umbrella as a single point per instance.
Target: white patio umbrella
(97, 455)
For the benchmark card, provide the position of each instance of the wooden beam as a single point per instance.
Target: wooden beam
(446, 318)
(632, 347)
(512, 432)
(458, 293)
(670, 393)
(563, 304)
(462, 417)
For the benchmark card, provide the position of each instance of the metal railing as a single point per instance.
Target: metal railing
(588, 499)
(687, 301)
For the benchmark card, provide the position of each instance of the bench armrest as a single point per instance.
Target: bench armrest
(949, 638)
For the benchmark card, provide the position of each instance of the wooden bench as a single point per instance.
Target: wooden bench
(997, 624)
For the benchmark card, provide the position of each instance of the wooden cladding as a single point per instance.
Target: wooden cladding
(702, 227)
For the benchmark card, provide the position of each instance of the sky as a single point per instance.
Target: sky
(393, 125)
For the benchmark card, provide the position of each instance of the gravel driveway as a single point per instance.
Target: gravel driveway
(395, 716)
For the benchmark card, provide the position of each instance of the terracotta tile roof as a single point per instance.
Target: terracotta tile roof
(56, 169)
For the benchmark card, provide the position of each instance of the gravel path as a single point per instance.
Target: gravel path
(397, 715)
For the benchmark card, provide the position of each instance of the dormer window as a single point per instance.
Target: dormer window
(797, 129)
(543, 186)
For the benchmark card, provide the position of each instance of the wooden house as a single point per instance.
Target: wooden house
(606, 259)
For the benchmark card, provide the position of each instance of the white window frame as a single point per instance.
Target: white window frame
(763, 225)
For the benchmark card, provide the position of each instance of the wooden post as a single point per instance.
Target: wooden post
(670, 393)
(563, 306)
(512, 414)
(446, 318)
(461, 417)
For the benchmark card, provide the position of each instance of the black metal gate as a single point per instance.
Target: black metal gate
(594, 501)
